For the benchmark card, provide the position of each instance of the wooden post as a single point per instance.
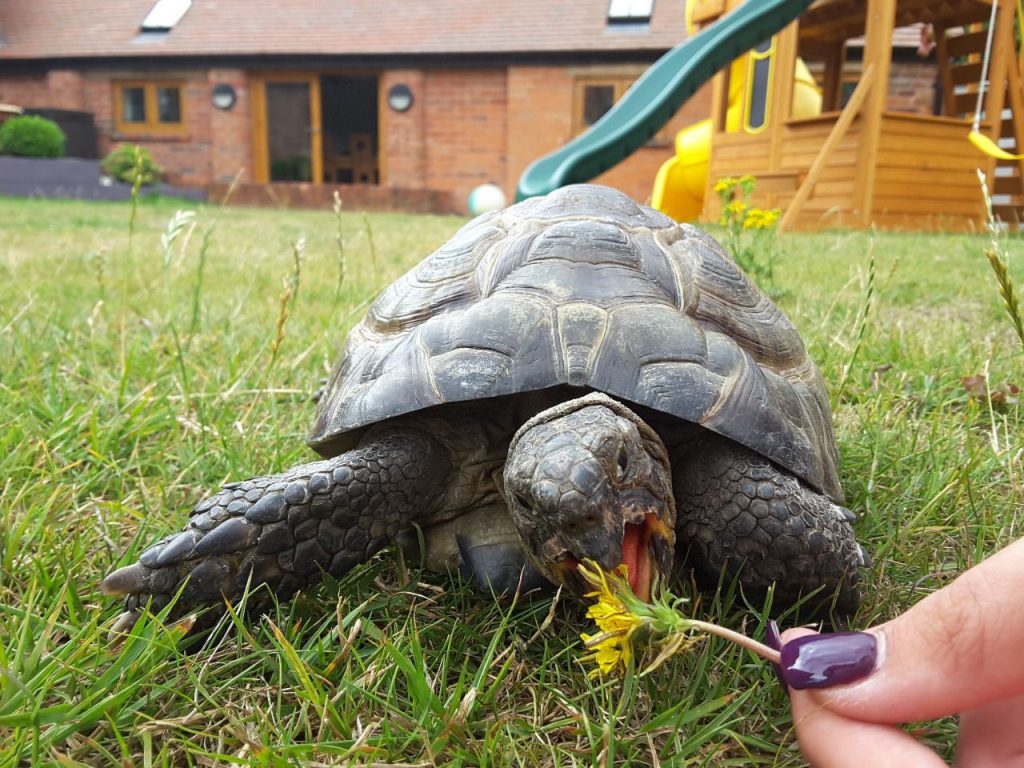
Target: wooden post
(1015, 87)
(833, 87)
(945, 71)
(719, 106)
(781, 107)
(881, 18)
(1002, 58)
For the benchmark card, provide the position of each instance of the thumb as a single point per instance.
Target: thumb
(957, 649)
(829, 740)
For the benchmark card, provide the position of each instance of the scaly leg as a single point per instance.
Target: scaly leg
(286, 530)
(741, 513)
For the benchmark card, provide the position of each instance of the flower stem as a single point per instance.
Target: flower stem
(750, 644)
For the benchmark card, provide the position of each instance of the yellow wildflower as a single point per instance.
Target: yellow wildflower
(724, 184)
(622, 617)
(761, 218)
(611, 647)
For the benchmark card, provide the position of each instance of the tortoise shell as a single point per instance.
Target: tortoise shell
(586, 288)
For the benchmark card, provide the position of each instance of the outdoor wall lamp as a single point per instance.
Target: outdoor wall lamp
(223, 96)
(400, 97)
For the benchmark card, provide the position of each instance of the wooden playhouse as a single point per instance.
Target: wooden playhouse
(857, 164)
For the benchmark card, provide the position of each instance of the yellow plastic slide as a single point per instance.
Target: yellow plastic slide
(679, 186)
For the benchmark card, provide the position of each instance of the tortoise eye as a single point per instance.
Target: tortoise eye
(521, 499)
(622, 462)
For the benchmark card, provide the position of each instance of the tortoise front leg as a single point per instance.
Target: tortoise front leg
(739, 513)
(286, 530)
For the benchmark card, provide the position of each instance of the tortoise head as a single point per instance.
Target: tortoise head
(589, 480)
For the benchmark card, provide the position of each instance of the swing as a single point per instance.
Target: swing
(976, 137)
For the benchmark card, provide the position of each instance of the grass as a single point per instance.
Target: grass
(146, 363)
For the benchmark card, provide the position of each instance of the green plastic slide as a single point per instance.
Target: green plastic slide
(657, 94)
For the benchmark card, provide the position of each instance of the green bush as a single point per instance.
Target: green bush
(128, 160)
(31, 136)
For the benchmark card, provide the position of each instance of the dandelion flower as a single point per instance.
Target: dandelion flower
(622, 619)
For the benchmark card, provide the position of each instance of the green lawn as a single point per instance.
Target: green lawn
(135, 376)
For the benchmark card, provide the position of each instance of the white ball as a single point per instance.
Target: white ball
(486, 197)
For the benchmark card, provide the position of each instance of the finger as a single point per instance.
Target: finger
(957, 649)
(991, 735)
(829, 740)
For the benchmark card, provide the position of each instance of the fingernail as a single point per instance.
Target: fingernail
(821, 661)
(773, 638)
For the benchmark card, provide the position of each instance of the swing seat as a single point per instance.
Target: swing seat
(989, 147)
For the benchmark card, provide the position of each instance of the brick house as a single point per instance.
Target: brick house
(299, 91)
(412, 103)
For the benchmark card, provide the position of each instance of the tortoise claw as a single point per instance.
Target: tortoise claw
(127, 580)
(122, 625)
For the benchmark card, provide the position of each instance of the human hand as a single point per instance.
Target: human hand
(960, 650)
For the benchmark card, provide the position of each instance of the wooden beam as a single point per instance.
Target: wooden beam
(834, 139)
(258, 105)
(1003, 58)
(965, 44)
(719, 108)
(316, 135)
(780, 109)
(942, 56)
(881, 20)
(1016, 92)
(833, 86)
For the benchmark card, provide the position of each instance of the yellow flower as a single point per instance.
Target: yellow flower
(621, 617)
(611, 647)
(761, 218)
(724, 185)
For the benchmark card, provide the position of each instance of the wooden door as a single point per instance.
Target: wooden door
(287, 144)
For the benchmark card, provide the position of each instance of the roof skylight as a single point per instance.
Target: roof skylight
(165, 14)
(630, 10)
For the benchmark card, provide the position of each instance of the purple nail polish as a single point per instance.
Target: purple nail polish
(821, 661)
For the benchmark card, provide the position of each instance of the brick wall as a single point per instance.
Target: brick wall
(540, 101)
(25, 90)
(465, 130)
(230, 129)
(466, 127)
(403, 161)
(215, 146)
(540, 119)
(912, 87)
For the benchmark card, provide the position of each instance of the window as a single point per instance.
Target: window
(630, 11)
(598, 98)
(595, 95)
(148, 107)
(759, 69)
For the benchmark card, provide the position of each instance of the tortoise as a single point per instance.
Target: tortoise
(574, 377)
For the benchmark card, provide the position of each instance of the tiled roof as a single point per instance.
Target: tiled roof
(46, 29)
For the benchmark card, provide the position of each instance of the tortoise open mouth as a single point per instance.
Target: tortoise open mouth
(644, 544)
(638, 554)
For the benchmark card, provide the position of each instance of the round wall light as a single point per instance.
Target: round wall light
(400, 97)
(223, 96)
